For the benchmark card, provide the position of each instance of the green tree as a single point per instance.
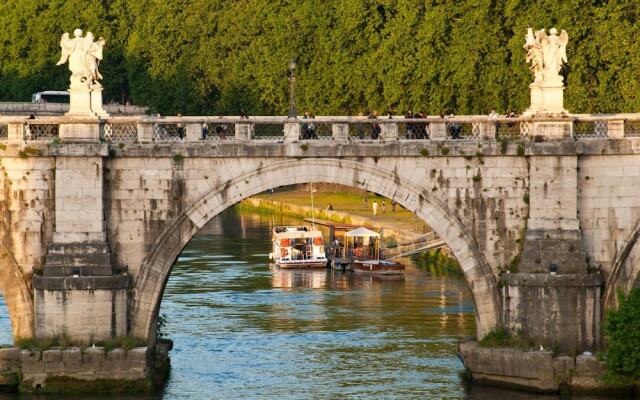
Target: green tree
(622, 330)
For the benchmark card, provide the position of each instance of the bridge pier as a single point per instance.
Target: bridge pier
(78, 293)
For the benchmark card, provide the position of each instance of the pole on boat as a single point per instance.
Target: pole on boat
(313, 218)
(381, 255)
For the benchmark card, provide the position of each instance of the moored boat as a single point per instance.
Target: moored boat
(360, 251)
(380, 267)
(298, 247)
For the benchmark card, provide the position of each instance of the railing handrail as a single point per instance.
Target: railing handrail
(279, 120)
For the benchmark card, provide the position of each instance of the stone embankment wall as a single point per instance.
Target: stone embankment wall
(536, 370)
(71, 369)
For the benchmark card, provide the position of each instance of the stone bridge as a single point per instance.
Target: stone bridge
(543, 214)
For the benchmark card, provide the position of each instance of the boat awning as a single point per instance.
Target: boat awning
(298, 235)
(362, 232)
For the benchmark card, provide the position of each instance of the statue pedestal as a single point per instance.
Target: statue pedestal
(96, 102)
(86, 102)
(79, 103)
(546, 99)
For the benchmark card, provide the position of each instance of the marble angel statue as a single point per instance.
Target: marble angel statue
(546, 54)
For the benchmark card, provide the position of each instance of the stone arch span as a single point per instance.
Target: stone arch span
(156, 267)
(625, 272)
(17, 294)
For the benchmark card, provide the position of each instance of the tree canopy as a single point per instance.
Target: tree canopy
(217, 56)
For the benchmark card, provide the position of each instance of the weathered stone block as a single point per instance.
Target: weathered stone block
(93, 358)
(32, 362)
(52, 361)
(72, 359)
(589, 365)
(10, 354)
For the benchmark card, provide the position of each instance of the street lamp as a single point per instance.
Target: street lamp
(292, 90)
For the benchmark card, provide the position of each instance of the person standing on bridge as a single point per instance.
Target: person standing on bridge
(374, 206)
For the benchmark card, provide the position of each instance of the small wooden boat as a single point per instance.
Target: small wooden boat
(379, 267)
(298, 247)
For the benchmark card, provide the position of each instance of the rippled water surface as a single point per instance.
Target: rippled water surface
(245, 331)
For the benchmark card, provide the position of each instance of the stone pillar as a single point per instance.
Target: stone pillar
(488, 130)
(438, 130)
(145, 131)
(15, 132)
(291, 131)
(389, 131)
(553, 298)
(340, 132)
(79, 293)
(193, 132)
(615, 129)
(244, 131)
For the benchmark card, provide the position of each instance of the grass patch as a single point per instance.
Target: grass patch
(304, 147)
(177, 158)
(520, 149)
(424, 152)
(500, 337)
(122, 342)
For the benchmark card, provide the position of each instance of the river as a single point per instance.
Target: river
(244, 331)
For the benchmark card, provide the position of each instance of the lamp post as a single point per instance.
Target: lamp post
(292, 90)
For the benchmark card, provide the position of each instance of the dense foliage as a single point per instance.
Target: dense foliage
(622, 330)
(216, 56)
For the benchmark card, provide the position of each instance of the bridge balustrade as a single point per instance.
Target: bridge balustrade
(590, 129)
(35, 130)
(119, 132)
(631, 128)
(339, 129)
(268, 131)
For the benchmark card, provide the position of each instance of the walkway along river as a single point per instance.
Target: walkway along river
(243, 331)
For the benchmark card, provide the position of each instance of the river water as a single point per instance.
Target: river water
(244, 331)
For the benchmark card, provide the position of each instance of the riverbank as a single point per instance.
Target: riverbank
(401, 226)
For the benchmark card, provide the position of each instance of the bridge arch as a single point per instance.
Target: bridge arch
(625, 272)
(156, 267)
(16, 293)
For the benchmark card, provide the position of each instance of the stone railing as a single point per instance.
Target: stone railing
(338, 129)
(40, 109)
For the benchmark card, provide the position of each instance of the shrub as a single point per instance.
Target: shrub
(500, 337)
(622, 330)
(304, 147)
(424, 152)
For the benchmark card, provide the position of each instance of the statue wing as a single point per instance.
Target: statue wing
(66, 46)
(564, 39)
(541, 36)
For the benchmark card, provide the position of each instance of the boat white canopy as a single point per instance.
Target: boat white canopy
(362, 232)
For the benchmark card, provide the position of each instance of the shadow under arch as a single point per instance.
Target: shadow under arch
(17, 294)
(156, 267)
(625, 270)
